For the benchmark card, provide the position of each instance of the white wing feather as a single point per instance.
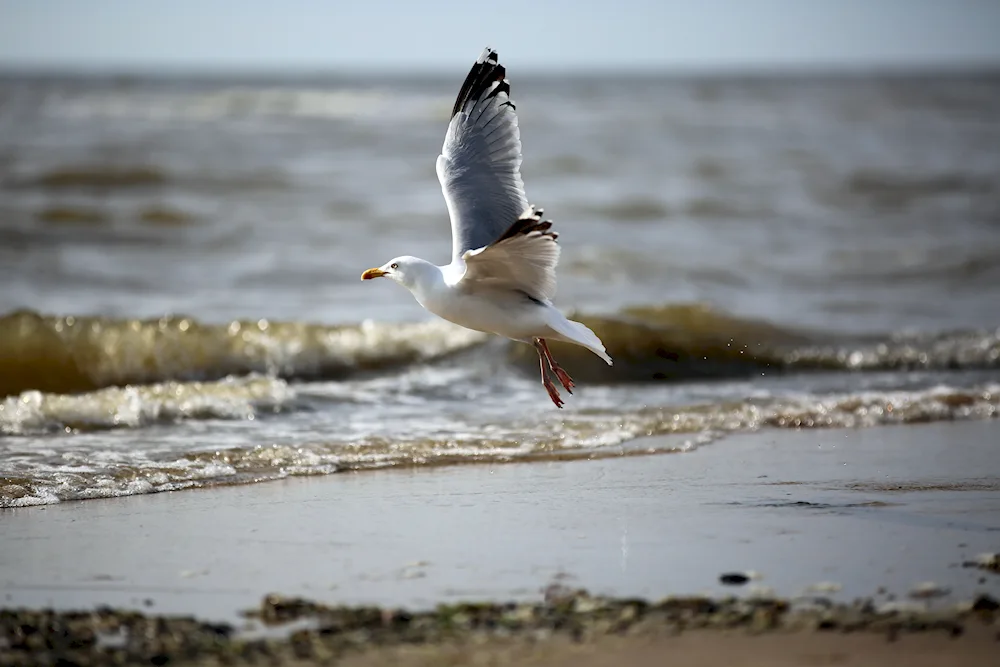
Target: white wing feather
(524, 259)
(480, 161)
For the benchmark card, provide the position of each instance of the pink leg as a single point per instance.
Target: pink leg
(546, 382)
(562, 375)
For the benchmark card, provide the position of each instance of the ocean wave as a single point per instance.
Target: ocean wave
(34, 412)
(863, 409)
(248, 101)
(75, 354)
(894, 191)
(694, 341)
(638, 209)
(666, 343)
(73, 216)
(84, 217)
(103, 177)
(598, 434)
(80, 475)
(875, 183)
(715, 208)
(165, 216)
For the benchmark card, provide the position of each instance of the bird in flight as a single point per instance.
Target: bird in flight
(502, 275)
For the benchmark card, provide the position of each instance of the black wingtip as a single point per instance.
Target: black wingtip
(481, 76)
(489, 53)
(530, 221)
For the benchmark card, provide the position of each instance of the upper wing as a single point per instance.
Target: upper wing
(524, 258)
(479, 165)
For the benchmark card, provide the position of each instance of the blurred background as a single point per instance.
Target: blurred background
(829, 163)
(191, 189)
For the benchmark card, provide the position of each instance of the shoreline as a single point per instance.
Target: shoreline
(868, 509)
(886, 518)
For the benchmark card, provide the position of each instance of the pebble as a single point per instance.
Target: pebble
(989, 562)
(736, 578)
(927, 590)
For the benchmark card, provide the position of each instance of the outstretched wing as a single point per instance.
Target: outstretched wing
(479, 165)
(524, 258)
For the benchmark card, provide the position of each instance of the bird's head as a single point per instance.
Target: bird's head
(404, 270)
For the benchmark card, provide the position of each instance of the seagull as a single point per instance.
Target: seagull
(502, 275)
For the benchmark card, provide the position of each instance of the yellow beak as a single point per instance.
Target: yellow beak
(372, 273)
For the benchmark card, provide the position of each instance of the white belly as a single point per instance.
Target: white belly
(507, 314)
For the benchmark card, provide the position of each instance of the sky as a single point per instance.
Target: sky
(432, 35)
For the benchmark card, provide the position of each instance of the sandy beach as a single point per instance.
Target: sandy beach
(219, 446)
(888, 514)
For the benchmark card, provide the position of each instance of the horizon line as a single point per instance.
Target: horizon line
(827, 68)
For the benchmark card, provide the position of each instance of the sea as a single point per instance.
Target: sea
(180, 261)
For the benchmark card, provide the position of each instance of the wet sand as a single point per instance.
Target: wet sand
(700, 648)
(869, 513)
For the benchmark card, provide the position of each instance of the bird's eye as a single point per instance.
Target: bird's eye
(394, 266)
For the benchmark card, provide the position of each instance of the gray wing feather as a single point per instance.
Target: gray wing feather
(480, 161)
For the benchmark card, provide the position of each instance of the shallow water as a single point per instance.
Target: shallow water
(180, 263)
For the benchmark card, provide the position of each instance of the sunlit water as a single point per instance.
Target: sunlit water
(180, 265)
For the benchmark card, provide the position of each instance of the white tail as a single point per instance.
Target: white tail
(575, 332)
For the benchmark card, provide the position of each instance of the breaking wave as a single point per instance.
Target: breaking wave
(75, 354)
(129, 407)
(693, 341)
(31, 479)
(668, 343)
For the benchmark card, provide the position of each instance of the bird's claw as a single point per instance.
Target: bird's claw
(564, 378)
(553, 394)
